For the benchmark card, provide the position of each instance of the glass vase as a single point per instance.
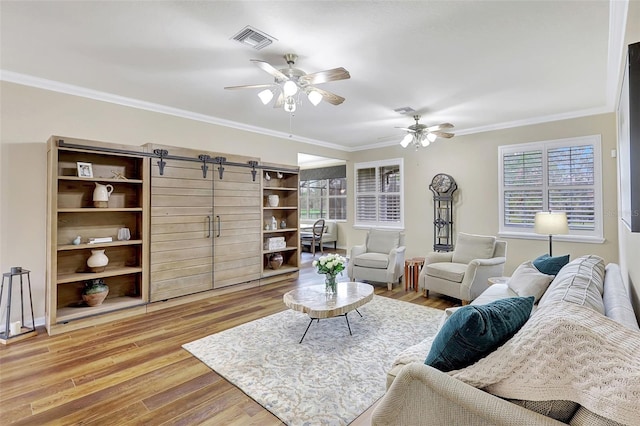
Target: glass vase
(330, 283)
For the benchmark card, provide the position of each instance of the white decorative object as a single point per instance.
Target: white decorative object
(124, 234)
(101, 194)
(274, 223)
(77, 240)
(273, 200)
(98, 261)
(15, 328)
(275, 243)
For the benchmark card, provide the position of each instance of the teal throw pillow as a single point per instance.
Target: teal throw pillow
(474, 331)
(550, 265)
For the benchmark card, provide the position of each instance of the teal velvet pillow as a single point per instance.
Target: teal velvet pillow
(550, 265)
(474, 331)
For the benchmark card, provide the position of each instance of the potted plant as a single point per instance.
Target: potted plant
(95, 291)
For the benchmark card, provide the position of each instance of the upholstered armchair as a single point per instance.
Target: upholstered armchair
(464, 272)
(380, 259)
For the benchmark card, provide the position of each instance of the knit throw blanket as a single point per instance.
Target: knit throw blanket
(566, 352)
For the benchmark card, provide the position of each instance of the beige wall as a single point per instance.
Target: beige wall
(630, 242)
(473, 162)
(29, 116)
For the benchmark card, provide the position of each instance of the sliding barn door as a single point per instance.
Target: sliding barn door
(182, 233)
(238, 223)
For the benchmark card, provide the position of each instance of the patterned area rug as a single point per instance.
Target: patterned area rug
(331, 377)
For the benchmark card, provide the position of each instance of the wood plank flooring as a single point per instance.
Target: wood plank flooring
(135, 372)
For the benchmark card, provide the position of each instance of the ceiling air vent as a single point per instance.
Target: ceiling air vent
(253, 38)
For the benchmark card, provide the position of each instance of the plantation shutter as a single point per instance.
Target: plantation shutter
(379, 194)
(561, 175)
(366, 190)
(523, 194)
(571, 178)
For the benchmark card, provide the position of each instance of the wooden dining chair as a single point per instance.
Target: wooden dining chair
(315, 236)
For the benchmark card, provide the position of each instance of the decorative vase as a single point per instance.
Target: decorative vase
(283, 224)
(101, 195)
(275, 261)
(273, 200)
(330, 283)
(98, 261)
(95, 291)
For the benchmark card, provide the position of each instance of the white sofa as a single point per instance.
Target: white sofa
(330, 234)
(419, 394)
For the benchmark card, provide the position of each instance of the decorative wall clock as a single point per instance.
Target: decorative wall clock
(443, 186)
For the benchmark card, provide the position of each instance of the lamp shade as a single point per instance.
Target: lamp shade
(265, 96)
(314, 97)
(406, 140)
(551, 223)
(290, 88)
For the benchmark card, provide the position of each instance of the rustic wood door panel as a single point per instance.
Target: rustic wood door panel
(238, 223)
(181, 230)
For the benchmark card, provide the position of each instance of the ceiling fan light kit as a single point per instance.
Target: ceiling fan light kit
(422, 135)
(314, 97)
(289, 82)
(265, 96)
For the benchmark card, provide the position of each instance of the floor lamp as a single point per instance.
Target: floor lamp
(551, 223)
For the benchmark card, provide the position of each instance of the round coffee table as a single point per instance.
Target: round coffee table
(315, 301)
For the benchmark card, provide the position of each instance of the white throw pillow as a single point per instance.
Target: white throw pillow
(528, 281)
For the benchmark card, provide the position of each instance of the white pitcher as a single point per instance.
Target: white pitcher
(102, 192)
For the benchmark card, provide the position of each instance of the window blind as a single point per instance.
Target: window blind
(555, 175)
(378, 198)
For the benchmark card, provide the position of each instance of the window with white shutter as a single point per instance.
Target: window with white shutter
(560, 175)
(379, 194)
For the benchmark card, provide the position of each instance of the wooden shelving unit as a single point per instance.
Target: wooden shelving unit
(286, 188)
(72, 213)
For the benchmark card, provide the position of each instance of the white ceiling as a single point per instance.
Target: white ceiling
(480, 65)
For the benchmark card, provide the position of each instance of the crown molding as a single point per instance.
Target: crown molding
(506, 125)
(56, 86)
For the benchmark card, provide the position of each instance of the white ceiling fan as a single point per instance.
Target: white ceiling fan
(422, 135)
(291, 82)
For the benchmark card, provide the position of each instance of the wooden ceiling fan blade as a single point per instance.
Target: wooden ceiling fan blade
(250, 86)
(407, 129)
(265, 66)
(325, 76)
(439, 127)
(279, 101)
(443, 134)
(332, 98)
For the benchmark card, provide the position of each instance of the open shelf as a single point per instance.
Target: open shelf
(284, 269)
(108, 180)
(98, 245)
(72, 214)
(71, 313)
(99, 210)
(285, 189)
(109, 272)
(288, 248)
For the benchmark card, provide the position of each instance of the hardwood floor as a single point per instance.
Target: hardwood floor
(134, 371)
